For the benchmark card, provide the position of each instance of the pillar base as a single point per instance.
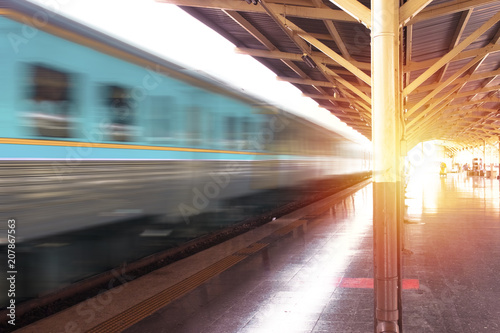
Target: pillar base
(387, 327)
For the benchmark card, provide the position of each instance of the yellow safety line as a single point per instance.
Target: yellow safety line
(147, 307)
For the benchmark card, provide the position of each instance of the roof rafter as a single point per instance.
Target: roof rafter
(484, 100)
(445, 84)
(290, 10)
(336, 57)
(415, 66)
(328, 97)
(469, 78)
(410, 9)
(325, 49)
(338, 77)
(495, 41)
(464, 19)
(347, 84)
(262, 39)
(450, 55)
(297, 57)
(447, 99)
(356, 9)
(432, 107)
(287, 27)
(447, 8)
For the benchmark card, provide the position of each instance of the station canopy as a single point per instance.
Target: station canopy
(449, 59)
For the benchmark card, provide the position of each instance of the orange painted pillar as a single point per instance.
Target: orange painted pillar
(386, 194)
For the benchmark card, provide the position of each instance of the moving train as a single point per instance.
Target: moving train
(94, 130)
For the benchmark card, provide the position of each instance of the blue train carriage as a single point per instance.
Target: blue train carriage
(95, 130)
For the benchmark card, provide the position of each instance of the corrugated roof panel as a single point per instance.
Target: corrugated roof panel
(309, 25)
(484, 39)
(478, 17)
(455, 66)
(490, 64)
(330, 43)
(438, 2)
(492, 105)
(224, 25)
(496, 81)
(480, 96)
(266, 25)
(431, 38)
(279, 67)
(357, 39)
(432, 79)
(472, 85)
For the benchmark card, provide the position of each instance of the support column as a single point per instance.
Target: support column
(385, 121)
(484, 158)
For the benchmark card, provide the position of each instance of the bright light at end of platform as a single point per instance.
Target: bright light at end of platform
(424, 158)
(422, 168)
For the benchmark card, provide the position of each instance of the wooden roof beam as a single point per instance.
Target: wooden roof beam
(466, 79)
(309, 82)
(327, 97)
(240, 20)
(347, 84)
(453, 53)
(484, 100)
(410, 9)
(477, 91)
(431, 119)
(323, 48)
(415, 66)
(356, 9)
(443, 85)
(464, 19)
(336, 57)
(432, 110)
(332, 29)
(301, 44)
(250, 29)
(447, 8)
(290, 10)
(319, 56)
(494, 41)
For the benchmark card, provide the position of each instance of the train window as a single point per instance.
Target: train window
(120, 112)
(51, 96)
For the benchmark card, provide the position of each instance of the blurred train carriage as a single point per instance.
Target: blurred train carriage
(94, 130)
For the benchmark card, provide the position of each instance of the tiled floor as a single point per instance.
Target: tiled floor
(318, 277)
(452, 248)
(293, 285)
(454, 237)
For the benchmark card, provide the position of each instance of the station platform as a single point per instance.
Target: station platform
(311, 271)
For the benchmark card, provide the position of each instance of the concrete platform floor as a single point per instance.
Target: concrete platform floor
(454, 238)
(312, 272)
(297, 283)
